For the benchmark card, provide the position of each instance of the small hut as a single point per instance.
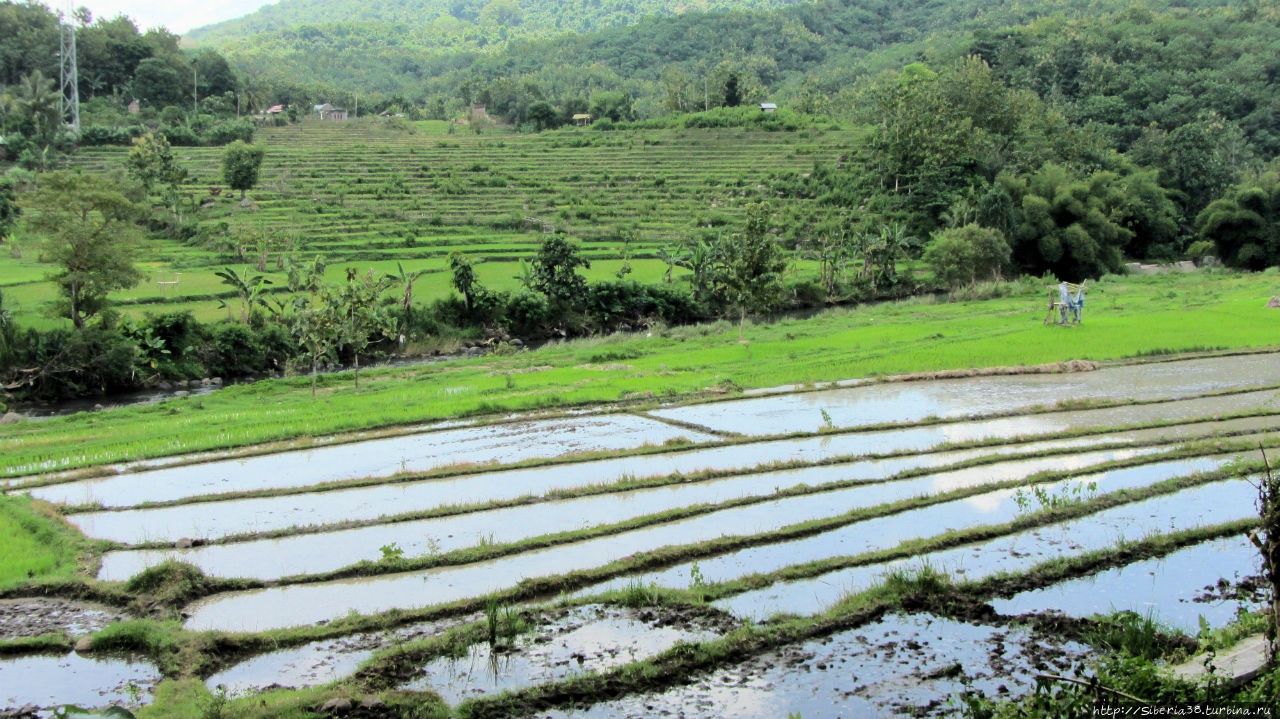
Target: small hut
(329, 112)
(581, 119)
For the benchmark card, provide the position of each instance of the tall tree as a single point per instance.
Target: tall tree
(240, 166)
(750, 266)
(159, 84)
(555, 271)
(88, 230)
(152, 163)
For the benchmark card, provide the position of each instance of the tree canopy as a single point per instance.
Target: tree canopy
(88, 231)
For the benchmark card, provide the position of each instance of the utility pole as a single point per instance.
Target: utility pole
(195, 92)
(67, 74)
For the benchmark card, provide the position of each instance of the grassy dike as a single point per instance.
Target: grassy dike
(1127, 318)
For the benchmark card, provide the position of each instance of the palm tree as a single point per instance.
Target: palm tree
(38, 102)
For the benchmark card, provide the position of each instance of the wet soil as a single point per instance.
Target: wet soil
(33, 617)
(321, 662)
(566, 643)
(903, 664)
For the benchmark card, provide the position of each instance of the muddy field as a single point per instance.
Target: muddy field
(463, 577)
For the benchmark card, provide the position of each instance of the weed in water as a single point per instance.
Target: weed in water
(696, 579)
(491, 620)
(215, 705)
(1040, 499)
(1129, 633)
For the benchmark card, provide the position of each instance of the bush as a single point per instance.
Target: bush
(961, 256)
(528, 314)
(69, 363)
(610, 304)
(234, 352)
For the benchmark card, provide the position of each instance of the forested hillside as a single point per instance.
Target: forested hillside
(465, 21)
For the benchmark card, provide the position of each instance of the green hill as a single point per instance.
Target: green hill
(462, 21)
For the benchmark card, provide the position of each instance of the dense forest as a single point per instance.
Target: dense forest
(477, 22)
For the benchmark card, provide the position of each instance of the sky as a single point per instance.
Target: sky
(177, 15)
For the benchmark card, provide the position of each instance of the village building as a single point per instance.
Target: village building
(768, 107)
(329, 112)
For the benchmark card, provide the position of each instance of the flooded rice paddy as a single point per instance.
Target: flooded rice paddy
(46, 682)
(267, 514)
(328, 551)
(275, 607)
(1206, 505)
(867, 405)
(512, 442)
(1211, 581)
(318, 663)
(865, 491)
(901, 665)
(592, 638)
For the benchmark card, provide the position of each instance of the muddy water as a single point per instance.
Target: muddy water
(315, 553)
(261, 609)
(47, 682)
(318, 663)
(902, 665)
(375, 458)
(218, 519)
(590, 638)
(33, 616)
(1199, 506)
(914, 401)
(1178, 589)
(887, 532)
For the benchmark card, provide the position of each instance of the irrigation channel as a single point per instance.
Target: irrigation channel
(380, 555)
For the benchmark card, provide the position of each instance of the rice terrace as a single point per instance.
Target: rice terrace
(772, 359)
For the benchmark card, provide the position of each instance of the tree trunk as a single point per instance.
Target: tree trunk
(356, 374)
(742, 320)
(76, 319)
(314, 363)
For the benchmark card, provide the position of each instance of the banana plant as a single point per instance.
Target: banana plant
(406, 280)
(248, 288)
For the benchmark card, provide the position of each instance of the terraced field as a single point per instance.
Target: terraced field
(364, 194)
(704, 552)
